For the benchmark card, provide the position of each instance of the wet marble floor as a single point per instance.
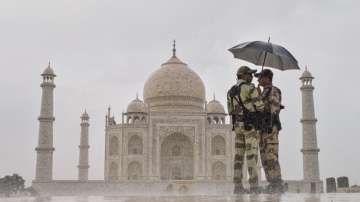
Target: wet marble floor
(244, 198)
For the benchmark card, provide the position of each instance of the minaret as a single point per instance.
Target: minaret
(84, 148)
(310, 148)
(45, 149)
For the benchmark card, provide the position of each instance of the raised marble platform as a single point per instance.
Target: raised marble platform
(188, 187)
(243, 198)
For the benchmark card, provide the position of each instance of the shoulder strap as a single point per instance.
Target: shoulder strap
(233, 92)
(241, 103)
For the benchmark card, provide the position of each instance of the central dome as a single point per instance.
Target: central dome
(174, 87)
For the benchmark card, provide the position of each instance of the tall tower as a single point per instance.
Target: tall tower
(310, 148)
(45, 149)
(84, 148)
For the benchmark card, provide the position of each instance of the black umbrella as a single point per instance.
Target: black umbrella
(265, 54)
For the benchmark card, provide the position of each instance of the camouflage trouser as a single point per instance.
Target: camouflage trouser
(269, 153)
(246, 143)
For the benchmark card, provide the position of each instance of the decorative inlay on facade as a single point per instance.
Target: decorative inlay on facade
(168, 129)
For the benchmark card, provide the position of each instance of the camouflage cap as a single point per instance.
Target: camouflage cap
(245, 70)
(266, 72)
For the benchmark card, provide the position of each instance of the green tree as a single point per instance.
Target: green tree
(12, 185)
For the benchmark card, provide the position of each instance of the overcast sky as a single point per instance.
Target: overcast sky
(103, 52)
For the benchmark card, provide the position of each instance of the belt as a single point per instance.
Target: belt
(238, 118)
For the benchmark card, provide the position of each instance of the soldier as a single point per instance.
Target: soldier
(243, 103)
(270, 127)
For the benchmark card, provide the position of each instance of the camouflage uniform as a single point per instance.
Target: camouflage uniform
(269, 142)
(246, 139)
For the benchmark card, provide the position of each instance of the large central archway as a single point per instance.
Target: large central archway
(177, 158)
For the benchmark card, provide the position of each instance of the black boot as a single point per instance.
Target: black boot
(255, 190)
(239, 189)
(276, 188)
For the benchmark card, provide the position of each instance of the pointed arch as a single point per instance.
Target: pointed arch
(135, 145)
(218, 171)
(218, 145)
(134, 171)
(113, 171)
(136, 119)
(129, 119)
(177, 158)
(114, 146)
(209, 120)
(216, 120)
(143, 119)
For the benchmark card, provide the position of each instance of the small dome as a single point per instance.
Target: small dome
(306, 74)
(48, 71)
(136, 106)
(174, 85)
(215, 107)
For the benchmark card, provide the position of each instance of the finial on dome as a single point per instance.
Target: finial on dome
(306, 74)
(137, 96)
(214, 96)
(174, 48)
(48, 71)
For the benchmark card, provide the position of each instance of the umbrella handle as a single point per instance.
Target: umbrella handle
(262, 68)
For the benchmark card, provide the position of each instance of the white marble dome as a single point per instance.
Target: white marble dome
(48, 71)
(136, 106)
(215, 107)
(306, 74)
(174, 86)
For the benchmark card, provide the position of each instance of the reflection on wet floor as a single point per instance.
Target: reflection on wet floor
(244, 198)
(241, 198)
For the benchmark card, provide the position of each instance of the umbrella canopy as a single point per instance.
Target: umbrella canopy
(265, 54)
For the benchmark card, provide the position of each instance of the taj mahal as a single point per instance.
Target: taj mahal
(172, 141)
